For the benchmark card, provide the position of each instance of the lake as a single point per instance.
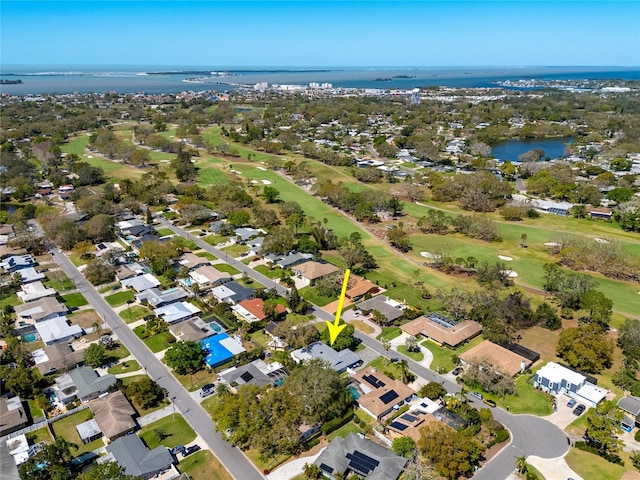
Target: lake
(510, 149)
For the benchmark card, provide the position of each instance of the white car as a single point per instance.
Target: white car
(357, 313)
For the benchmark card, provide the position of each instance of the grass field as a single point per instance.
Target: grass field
(225, 267)
(175, 428)
(72, 300)
(114, 169)
(526, 399)
(134, 313)
(120, 298)
(588, 465)
(124, 367)
(158, 342)
(203, 465)
(443, 356)
(66, 428)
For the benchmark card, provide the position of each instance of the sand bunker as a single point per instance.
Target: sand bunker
(262, 168)
(552, 244)
(236, 171)
(510, 273)
(601, 240)
(89, 156)
(432, 256)
(266, 182)
(505, 258)
(254, 181)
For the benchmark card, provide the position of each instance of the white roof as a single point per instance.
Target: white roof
(176, 311)
(141, 282)
(18, 447)
(30, 274)
(34, 291)
(425, 405)
(556, 373)
(592, 393)
(56, 329)
(233, 345)
(40, 356)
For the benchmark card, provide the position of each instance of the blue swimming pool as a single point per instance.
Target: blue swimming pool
(354, 392)
(216, 327)
(30, 337)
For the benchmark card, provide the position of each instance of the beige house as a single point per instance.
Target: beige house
(380, 393)
(442, 330)
(114, 415)
(505, 361)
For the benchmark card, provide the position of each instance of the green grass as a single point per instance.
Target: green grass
(415, 356)
(389, 333)
(33, 409)
(261, 338)
(76, 259)
(203, 465)
(225, 267)
(235, 250)
(40, 435)
(74, 300)
(276, 272)
(66, 428)
(177, 431)
(392, 370)
(113, 169)
(207, 255)
(267, 463)
(120, 298)
(158, 342)
(345, 430)
(443, 356)
(124, 367)
(108, 288)
(119, 352)
(311, 294)
(136, 312)
(12, 300)
(60, 285)
(197, 380)
(163, 232)
(588, 465)
(526, 399)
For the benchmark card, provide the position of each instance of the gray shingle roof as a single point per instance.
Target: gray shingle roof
(88, 382)
(339, 361)
(137, 459)
(630, 404)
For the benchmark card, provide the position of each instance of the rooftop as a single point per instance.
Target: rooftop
(505, 361)
(436, 327)
(339, 361)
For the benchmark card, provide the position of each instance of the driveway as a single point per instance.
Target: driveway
(563, 415)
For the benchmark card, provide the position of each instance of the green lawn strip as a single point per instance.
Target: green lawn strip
(225, 267)
(207, 255)
(214, 240)
(235, 250)
(120, 298)
(265, 464)
(39, 435)
(443, 356)
(124, 367)
(163, 232)
(175, 428)
(415, 356)
(107, 289)
(345, 430)
(203, 465)
(134, 313)
(311, 294)
(588, 465)
(389, 333)
(526, 400)
(383, 365)
(158, 342)
(267, 272)
(261, 338)
(66, 428)
(196, 380)
(60, 285)
(33, 409)
(74, 300)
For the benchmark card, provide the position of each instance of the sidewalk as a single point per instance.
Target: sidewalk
(553, 468)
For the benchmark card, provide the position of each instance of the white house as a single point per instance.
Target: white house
(557, 379)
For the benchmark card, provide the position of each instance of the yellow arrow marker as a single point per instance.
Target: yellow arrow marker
(335, 328)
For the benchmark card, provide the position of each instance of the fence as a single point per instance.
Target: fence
(49, 421)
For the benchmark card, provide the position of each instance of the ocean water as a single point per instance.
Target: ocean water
(42, 79)
(511, 149)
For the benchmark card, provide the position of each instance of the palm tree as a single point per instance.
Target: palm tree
(386, 344)
(312, 471)
(405, 374)
(222, 389)
(521, 464)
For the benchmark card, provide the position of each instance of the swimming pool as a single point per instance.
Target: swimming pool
(216, 327)
(354, 392)
(30, 337)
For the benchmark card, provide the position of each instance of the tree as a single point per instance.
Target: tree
(412, 344)
(159, 255)
(145, 392)
(50, 463)
(96, 355)
(586, 348)
(354, 253)
(345, 339)
(404, 446)
(185, 357)
(521, 465)
(280, 240)
(435, 221)
(270, 194)
(399, 239)
(599, 307)
(238, 218)
(296, 303)
(100, 228)
(635, 459)
(98, 272)
(394, 205)
(312, 471)
(405, 373)
(23, 381)
(629, 338)
(432, 390)
(546, 315)
(106, 471)
(602, 424)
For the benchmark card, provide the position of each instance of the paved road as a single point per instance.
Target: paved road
(232, 458)
(530, 435)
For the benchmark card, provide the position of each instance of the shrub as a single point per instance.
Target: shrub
(637, 437)
(336, 423)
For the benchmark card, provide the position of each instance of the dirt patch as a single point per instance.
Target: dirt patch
(85, 319)
(363, 327)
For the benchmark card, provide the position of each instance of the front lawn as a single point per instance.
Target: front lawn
(174, 429)
(272, 273)
(119, 352)
(159, 342)
(389, 333)
(363, 327)
(196, 380)
(526, 400)
(588, 465)
(124, 367)
(265, 463)
(207, 255)
(225, 267)
(59, 282)
(443, 356)
(311, 294)
(120, 298)
(235, 250)
(66, 428)
(134, 313)
(203, 465)
(72, 300)
(415, 356)
(163, 232)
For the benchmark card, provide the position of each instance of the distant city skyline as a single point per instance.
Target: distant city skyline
(319, 33)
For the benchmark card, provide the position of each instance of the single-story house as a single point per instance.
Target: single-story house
(360, 456)
(339, 361)
(221, 348)
(57, 330)
(207, 276)
(177, 312)
(289, 260)
(124, 272)
(631, 406)
(135, 457)
(313, 270)
(192, 261)
(232, 292)
(252, 310)
(390, 309)
(141, 282)
(114, 415)
(557, 379)
(255, 245)
(600, 213)
(156, 298)
(84, 383)
(410, 423)
(245, 233)
(381, 393)
(34, 291)
(192, 330)
(30, 274)
(89, 431)
(555, 208)
(256, 373)
(358, 287)
(59, 357)
(13, 415)
(39, 310)
(137, 231)
(504, 361)
(17, 262)
(442, 330)
(149, 237)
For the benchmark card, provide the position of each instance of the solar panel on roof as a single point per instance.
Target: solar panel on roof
(246, 376)
(442, 320)
(373, 381)
(361, 462)
(408, 418)
(326, 468)
(399, 426)
(389, 397)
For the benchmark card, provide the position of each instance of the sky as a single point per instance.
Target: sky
(320, 33)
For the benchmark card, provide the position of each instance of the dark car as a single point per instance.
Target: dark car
(571, 403)
(189, 450)
(457, 371)
(579, 410)
(489, 402)
(177, 449)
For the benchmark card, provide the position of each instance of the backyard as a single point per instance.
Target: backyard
(66, 428)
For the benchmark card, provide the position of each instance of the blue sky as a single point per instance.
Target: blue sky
(318, 33)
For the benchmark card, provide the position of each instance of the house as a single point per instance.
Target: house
(232, 293)
(88, 431)
(17, 262)
(84, 383)
(313, 270)
(124, 271)
(192, 330)
(177, 312)
(206, 276)
(57, 330)
(503, 360)
(13, 415)
(360, 456)
(339, 361)
(390, 309)
(192, 261)
(555, 208)
(34, 291)
(135, 457)
(105, 247)
(137, 231)
(557, 379)
(256, 373)
(141, 282)
(65, 191)
(289, 260)
(149, 237)
(631, 406)
(381, 394)
(442, 330)
(40, 310)
(244, 234)
(276, 342)
(221, 348)
(58, 357)
(409, 424)
(599, 213)
(252, 310)
(156, 299)
(358, 287)
(255, 245)
(30, 274)
(114, 415)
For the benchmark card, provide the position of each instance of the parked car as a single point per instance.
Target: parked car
(571, 403)
(457, 371)
(207, 390)
(477, 395)
(189, 450)
(579, 410)
(357, 313)
(177, 449)
(489, 402)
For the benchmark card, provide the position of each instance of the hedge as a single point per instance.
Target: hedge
(336, 423)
